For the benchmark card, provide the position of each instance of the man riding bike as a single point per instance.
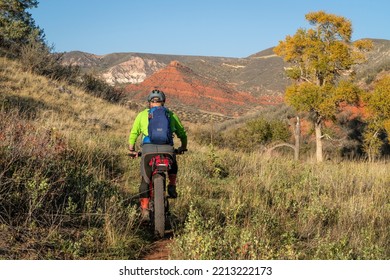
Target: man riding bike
(156, 100)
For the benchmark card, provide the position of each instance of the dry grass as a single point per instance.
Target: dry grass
(281, 209)
(55, 104)
(63, 159)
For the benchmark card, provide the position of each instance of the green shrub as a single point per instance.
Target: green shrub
(255, 134)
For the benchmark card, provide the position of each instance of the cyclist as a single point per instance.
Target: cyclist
(156, 98)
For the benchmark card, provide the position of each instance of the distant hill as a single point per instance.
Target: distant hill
(378, 61)
(204, 82)
(254, 74)
(187, 87)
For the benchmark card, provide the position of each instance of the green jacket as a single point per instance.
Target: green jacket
(141, 123)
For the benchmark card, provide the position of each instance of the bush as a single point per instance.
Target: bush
(252, 135)
(101, 89)
(256, 134)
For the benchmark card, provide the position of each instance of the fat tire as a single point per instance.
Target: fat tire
(159, 206)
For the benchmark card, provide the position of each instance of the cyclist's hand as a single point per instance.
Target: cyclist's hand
(181, 150)
(133, 154)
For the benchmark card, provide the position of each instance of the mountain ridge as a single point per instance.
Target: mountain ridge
(261, 75)
(185, 86)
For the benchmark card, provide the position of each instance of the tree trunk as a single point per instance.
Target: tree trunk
(297, 135)
(318, 141)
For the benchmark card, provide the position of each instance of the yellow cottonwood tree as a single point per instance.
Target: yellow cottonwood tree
(378, 104)
(321, 59)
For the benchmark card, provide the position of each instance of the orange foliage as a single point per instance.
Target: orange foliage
(354, 111)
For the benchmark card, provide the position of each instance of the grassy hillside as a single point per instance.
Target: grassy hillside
(63, 186)
(68, 190)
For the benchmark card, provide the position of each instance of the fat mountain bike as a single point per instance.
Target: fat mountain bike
(158, 204)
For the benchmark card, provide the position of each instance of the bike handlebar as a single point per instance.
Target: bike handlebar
(175, 151)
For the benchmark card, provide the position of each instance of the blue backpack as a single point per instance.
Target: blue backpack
(159, 129)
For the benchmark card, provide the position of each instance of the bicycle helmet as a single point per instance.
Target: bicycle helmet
(156, 94)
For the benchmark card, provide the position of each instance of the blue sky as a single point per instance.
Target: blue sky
(227, 28)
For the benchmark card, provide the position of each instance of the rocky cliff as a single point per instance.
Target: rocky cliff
(132, 71)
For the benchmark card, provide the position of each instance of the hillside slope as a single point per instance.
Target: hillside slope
(63, 172)
(56, 104)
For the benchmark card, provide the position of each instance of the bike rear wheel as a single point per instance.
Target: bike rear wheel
(159, 206)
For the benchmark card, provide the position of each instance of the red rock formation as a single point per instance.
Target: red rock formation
(185, 87)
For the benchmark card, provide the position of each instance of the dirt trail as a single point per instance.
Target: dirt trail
(159, 250)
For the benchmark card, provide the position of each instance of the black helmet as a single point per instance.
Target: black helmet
(156, 94)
